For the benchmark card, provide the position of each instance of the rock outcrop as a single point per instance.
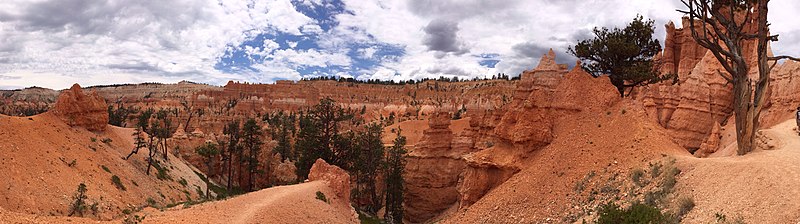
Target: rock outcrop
(711, 145)
(784, 95)
(433, 169)
(702, 98)
(545, 99)
(526, 120)
(336, 177)
(83, 110)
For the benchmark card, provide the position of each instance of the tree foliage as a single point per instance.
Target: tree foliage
(395, 165)
(625, 55)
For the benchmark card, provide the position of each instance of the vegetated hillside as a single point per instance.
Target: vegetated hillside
(44, 160)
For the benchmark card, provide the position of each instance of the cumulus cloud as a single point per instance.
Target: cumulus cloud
(166, 41)
(54, 43)
(442, 36)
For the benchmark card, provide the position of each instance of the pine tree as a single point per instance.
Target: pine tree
(251, 142)
(369, 163)
(232, 132)
(395, 165)
(208, 151)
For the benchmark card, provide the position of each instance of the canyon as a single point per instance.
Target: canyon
(479, 151)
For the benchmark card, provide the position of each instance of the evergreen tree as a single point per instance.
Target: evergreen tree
(395, 165)
(231, 130)
(625, 55)
(251, 135)
(369, 163)
(208, 151)
(319, 128)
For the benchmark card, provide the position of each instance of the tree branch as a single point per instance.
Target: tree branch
(776, 58)
(727, 78)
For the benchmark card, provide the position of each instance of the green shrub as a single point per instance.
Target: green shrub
(93, 139)
(162, 172)
(106, 140)
(78, 206)
(321, 197)
(183, 182)
(637, 213)
(105, 168)
(117, 182)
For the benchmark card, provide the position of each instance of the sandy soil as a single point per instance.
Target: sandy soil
(761, 187)
(43, 160)
(540, 192)
(283, 204)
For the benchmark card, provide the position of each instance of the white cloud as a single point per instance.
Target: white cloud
(367, 53)
(310, 57)
(54, 43)
(68, 41)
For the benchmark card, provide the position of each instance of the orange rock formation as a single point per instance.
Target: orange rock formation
(79, 109)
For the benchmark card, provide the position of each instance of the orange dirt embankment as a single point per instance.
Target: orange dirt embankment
(619, 139)
(282, 204)
(44, 160)
(760, 187)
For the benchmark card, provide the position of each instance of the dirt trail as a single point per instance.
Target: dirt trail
(761, 187)
(283, 204)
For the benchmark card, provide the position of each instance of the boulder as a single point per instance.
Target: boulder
(285, 172)
(336, 177)
(82, 110)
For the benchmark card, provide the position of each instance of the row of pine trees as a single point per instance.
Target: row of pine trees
(328, 131)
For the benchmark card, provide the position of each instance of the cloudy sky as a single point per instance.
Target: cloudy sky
(54, 43)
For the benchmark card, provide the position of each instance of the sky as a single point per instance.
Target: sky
(55, 43)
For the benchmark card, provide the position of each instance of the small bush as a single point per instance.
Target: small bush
(73, 163)
(135, 219)
(105, 168)
(685, 205)
(636, 176)
(117, 182)
(655, 170)
(78, 206)
(106, 140)
(151, 202)
(722, 219)
(162, 172)
(183, 182)
(321, 197)
(93, 139)
(95, 208)
(637, 213)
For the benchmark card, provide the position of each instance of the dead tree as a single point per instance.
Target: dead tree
(724, 27)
